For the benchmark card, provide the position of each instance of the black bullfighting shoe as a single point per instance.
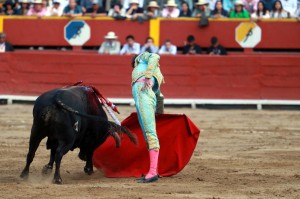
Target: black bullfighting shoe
(153, 179)
(141, 178)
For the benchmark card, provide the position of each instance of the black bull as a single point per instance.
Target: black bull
(70, 117)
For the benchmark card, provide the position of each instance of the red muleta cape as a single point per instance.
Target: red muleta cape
(177, 135)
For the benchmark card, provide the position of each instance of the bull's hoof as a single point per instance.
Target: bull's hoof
(57, 181)
(47, 169)
(88, 170)
(24, 174)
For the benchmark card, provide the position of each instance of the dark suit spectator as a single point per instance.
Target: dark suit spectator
(216, 48)
(95, 10)
(185, 10)
(191, 47)
(134, 12)
(9, 8)
(4, 45)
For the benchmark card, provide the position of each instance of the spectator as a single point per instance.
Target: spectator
(110, 46)
(131, 47)
(149, 46)
(171, 10)
(250, 5)
(9, 8)
(228, 5)
(4, 45)
(55, 9)
(152, 10)
(86, 4)
(64, 3)
(219, 11)
(37, 9)
(95, 10)
(297, 13)
(117, 11)
(278, 12)
(239, 11)
(212, 4)
(24, 7)
(269, 4)
(72, 10)
(216, 48)
(126, 3)
(262, 12)
(191, 47)
(289, 6)
(168, 49)
(134, 12)
(185, 10)
(201, 9)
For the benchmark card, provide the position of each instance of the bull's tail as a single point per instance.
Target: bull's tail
(115, 130)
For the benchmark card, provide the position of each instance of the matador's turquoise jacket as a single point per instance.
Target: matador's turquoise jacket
(148, 67)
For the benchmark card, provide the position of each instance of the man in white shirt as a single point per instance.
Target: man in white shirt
(168, 49)
(131, 47)
(55, 9)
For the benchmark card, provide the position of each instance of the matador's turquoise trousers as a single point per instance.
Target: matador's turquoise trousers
(145, 102)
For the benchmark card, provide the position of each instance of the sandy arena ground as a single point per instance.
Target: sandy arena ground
(240, 154)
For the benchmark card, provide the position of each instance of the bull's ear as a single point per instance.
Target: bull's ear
(117, 139)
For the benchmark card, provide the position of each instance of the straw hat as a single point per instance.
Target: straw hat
(171, 3)
(201, 2)
(37, 1)
(110, 35)
(153, 4)
(134, 1)
(239, 3)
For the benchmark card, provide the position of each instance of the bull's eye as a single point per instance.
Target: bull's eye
(76, 126)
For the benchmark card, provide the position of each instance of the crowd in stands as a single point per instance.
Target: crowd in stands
(112, 46)
(141, 10)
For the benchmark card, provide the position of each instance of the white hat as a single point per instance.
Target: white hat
(95, 1)
(23, 1)
(37, 1)
(56, 1)
(239, 3)
(171, 3)
(134, 1)
(153, 4)
(110, 35)
(201, 2)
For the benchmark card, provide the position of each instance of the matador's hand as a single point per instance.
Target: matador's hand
(147, 84)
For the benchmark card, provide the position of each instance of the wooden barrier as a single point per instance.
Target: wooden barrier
(49, 31)
(187, 77)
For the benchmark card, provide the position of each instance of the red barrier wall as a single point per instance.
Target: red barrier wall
(50, 31)
(275, 34)
(231, 77)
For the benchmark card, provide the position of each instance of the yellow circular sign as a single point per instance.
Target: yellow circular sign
(248, 34)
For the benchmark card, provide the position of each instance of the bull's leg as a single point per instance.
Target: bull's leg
(88, 169)
(34, 143)
(62, 149)
(48, 167)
